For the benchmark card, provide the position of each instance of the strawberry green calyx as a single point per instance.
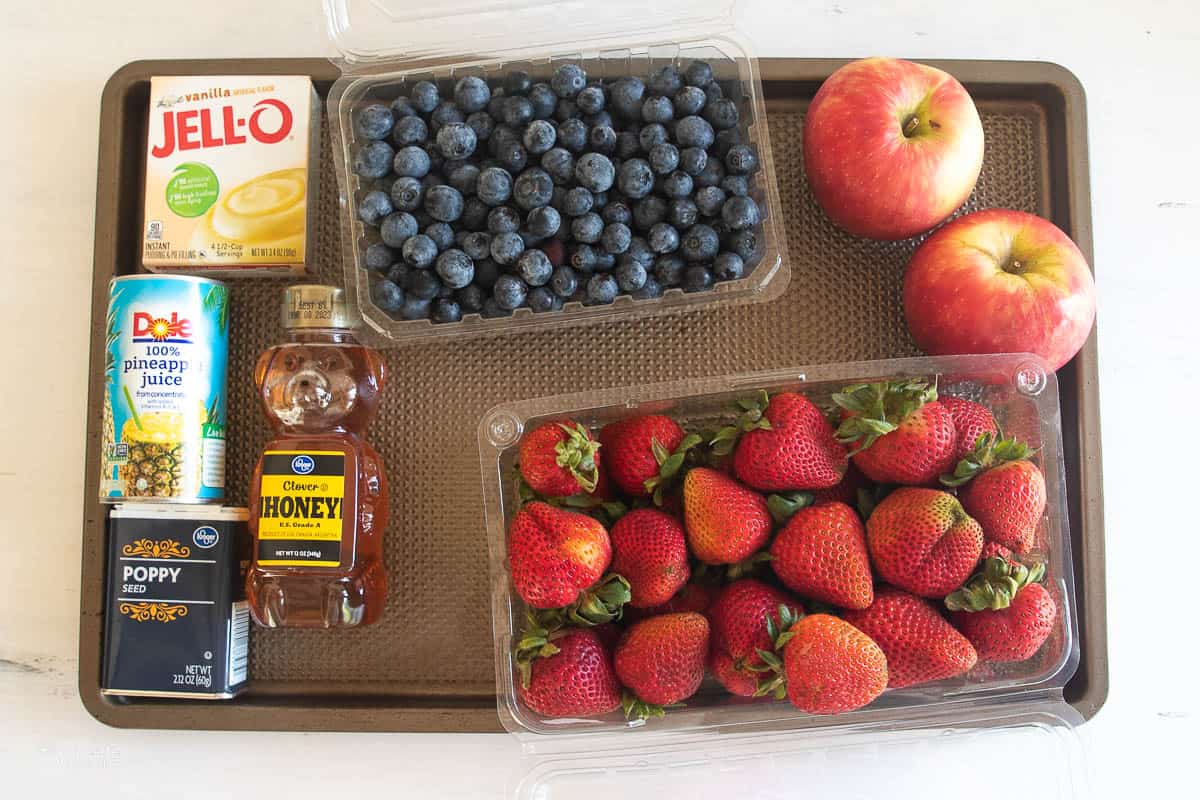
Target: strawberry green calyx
(638, 709)
(773, 682)
(607, 511)
(747, 566)
(751, 417)
(669, 464)
(577, 455)
(533, 644)
(989, 451)
(877, 408)
(600, 603)
(995, 586)
(784, 504)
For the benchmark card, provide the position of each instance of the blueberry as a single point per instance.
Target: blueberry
(741, 160)
(713, 92)
(728, 267)
(431, 180)
(409, 130)
(477, 245)
(373, 207)
(636, 179)
(568, 80)
(423, 219)
(697, 279)
(470, 298)
(698, 73)
(663, 238)
(595, 172)
(577, 202)
(616, 211)
(590, 100)
(572, 134)
(411, 162)
(464, 178)
(444, 203)
(422, 284)
(455, 268)
(559, 164)
(627, 94)
(445, 114)
(601, 119)
(649, 211)
(669, 269)
(502, 135)
(627, 144)
(533, 188)
(688, 101)
(666, 81)
(694, 131)
(472, 94)
(509, 292)
(512, 157)
(583, 258)
(650, 289)
(599, 200)
(517, 81)
(486, 272)
(517, 111)
(650, 135)
(482, 124)
(534, 267)
(387, 296)
(709, 200)
(603, 139)
(425, 96)
(605, 261)
(397, 273)
(736, 185)
(682, 213)
(677, 184)
(396, 228)
(663, 158)
(456, 140)
(744, 244)
(544, 101)
(374, 121)
(692, 160)
(566, 109)
(445, 310)
(542, 299)
(712, 174)
(658, 109)
(739, 212)
(507, 248)
(402, 108)
(419, 251)
(587, 228)
(615, 238)
(495, 186)
(415, 308)
(602, 288)
(474, 215)
(726, 140)
(503, 220)
(722, 114)
(564, 281)
(543, 221)
(441, 234)
(373, 160)
(407, 194)
(539, 136)
(700, 243)
(722, 230)
(630, 275)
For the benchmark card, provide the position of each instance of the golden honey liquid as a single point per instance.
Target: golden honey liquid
(319, 391)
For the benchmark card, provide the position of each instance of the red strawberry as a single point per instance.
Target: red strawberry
(650, 551)
(846, 491)
(641, 453)
(919, 644)
(560, 459)
(574, 678)
(1010, 634)
(971, 420)
(822, 553)
(784, 443)
(831, 666)
(660, 661)
(996, 550)
(899, 431)
(725, 521)
(555, 554)
(1006, 493)
(731, 674)
(739, 617)
(692, 597)
(923, 541)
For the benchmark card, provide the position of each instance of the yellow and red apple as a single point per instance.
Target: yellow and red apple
(1000, 281)
(891, 148)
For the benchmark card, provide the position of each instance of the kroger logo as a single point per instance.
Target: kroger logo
(302, 465)
(205, 536)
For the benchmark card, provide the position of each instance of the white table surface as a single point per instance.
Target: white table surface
(1138, 62)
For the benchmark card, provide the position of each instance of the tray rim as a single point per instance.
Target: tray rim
(389, 711)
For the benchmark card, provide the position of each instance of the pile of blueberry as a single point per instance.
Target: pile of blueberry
(539, 194)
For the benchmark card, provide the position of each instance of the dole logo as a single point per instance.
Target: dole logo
(196, 128)
(150, 328)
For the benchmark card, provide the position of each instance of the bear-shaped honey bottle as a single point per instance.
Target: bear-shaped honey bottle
(318, 497)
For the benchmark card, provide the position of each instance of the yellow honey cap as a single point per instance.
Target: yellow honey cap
(313, 305)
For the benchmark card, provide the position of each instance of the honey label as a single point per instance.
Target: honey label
(302, 497)
(228, 178)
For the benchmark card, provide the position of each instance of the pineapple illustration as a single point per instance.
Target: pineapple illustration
(156, 463)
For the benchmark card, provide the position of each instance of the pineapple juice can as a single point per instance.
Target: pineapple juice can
(166, 354)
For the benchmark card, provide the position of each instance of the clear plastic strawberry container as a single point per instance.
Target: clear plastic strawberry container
(1023, 396)
(388, 45)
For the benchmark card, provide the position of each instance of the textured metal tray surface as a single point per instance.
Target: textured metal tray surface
(428, 666)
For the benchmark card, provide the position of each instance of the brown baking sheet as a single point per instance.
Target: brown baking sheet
(428, 666)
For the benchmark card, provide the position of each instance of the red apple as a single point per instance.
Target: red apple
(891, 148)
(1000, 281)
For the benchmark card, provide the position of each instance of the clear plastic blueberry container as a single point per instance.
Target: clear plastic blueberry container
(1022, 394)
(388, 45)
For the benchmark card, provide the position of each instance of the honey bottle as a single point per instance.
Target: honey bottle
(318, 496)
